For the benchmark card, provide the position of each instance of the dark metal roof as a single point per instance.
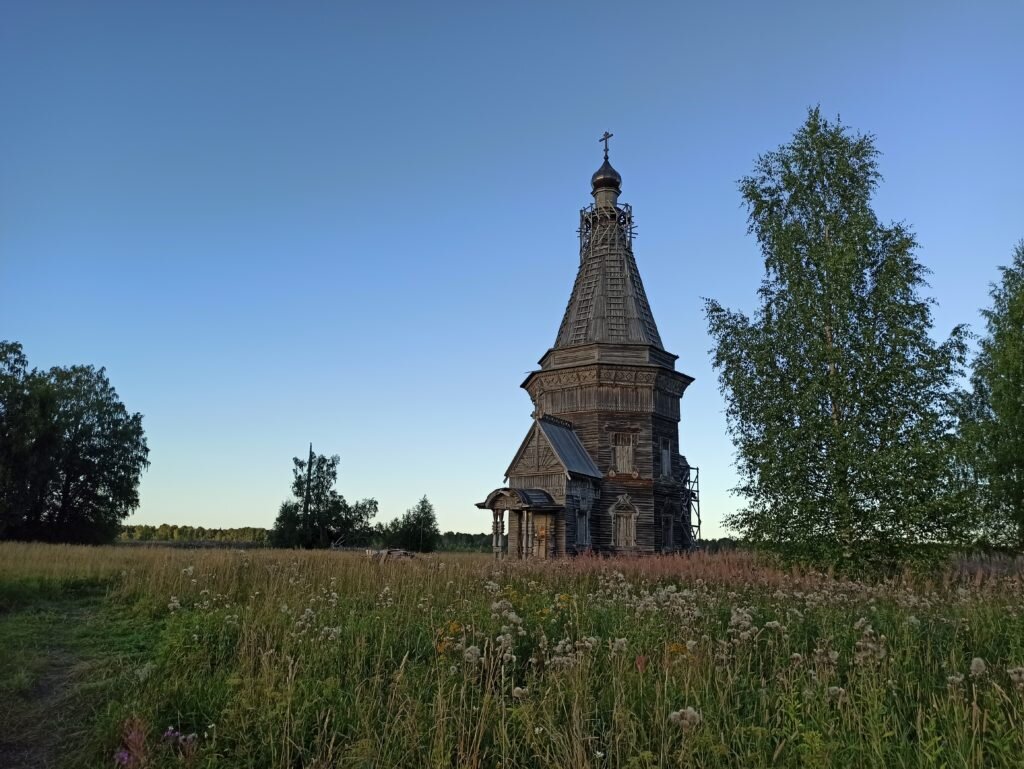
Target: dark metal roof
(529, 499)
(606, 176)
(535, 497)
(567, 447)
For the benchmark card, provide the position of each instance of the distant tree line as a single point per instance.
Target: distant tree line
(173, 533)
(380, 535)
(317, 516)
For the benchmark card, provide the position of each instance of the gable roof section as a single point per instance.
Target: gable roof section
(559, 435)
(567, 446)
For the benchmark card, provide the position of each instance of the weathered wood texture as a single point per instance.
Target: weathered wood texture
(608, 375)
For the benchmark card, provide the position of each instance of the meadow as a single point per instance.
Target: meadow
(153, 657)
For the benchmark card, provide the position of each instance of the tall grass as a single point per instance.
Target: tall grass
(281, 659)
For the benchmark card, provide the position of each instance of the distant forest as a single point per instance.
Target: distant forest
(252, 536)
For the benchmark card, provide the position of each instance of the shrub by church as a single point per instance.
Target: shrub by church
(600, 468)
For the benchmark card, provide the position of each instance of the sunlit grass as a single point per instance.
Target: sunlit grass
(284, 659)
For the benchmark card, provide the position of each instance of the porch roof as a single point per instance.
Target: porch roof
(519, 499)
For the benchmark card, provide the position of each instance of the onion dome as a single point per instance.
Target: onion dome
(606, 177)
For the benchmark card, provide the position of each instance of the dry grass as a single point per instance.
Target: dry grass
(283, 659)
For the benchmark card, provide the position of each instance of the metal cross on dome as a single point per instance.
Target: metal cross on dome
(605, 139)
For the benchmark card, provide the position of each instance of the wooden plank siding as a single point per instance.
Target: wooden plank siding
(609, 375)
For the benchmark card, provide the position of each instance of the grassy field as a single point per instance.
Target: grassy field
(170, 658)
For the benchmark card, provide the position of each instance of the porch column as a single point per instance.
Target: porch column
(495, 546)
(501, 534)
(522, 534)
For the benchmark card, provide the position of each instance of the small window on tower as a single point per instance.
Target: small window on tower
(622, 452)
(666, 458)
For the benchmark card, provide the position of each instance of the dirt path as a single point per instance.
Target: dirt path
(37, 676)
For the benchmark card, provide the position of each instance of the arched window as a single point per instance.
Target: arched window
(624, 516)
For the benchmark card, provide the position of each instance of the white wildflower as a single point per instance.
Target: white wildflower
(687, 718)
(836, 693)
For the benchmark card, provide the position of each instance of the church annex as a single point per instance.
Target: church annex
(600, 468)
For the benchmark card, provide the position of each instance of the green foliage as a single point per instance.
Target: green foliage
(415, 530)
(319, 516)
(995, 425)
(457, 541)
(71, 455)
(174, 533)
(838, 400)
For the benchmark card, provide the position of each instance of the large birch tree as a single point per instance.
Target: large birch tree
(838, 398)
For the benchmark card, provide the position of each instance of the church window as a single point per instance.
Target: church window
(622, 452)
(624, 516)
(582, 528)
(666, 458)
(667, 528)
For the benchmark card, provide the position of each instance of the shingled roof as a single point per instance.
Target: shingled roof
(608, 301)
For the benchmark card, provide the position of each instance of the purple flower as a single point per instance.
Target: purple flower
(122, 757)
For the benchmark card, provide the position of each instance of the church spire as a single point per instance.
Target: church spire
(608, 302)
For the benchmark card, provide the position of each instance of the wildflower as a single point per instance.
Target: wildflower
(538, 729)
(796, 658)
(955, 680)
(520, 692)
(978, 667)
(598, 754)
(619, 645)
(688, 718)
(472, 655)
(836, 693)
(123, 757)
(174, 603)
(641, 663)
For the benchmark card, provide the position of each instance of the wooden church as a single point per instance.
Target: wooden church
(600, 468)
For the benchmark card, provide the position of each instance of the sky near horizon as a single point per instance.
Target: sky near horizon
(355, 224)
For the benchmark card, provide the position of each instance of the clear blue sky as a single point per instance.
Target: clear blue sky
(277, 223)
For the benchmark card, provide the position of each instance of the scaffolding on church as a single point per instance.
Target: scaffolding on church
(691, 503)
